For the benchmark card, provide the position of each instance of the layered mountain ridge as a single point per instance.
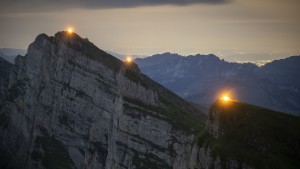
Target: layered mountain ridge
(10, 54)
(203, 78)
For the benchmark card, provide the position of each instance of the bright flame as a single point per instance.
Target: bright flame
(128, 59)
(226, 98)
(70, 30)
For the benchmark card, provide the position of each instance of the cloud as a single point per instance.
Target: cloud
(19, 6)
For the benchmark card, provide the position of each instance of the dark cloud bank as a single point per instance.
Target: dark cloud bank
(18, 6)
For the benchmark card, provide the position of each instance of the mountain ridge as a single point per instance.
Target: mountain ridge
(9, 54)
(203, 78)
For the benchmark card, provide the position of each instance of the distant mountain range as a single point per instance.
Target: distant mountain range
(10, 54)
(123, 56)
(201, 79)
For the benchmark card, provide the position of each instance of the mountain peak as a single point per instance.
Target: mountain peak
(81, 45)
(62, 36)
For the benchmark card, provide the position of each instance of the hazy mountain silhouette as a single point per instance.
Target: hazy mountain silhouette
(201, 78)
(10, 54)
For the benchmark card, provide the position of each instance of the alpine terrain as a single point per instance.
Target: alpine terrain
(68, 104)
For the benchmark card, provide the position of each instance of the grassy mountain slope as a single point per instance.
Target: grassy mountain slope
(259, 137)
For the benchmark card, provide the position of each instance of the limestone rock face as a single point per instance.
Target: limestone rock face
(71, 105)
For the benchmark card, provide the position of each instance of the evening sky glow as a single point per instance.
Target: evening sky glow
(255, 29)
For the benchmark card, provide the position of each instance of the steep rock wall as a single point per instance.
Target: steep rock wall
(67, 109)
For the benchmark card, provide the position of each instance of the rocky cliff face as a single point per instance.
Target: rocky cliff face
(71, 105)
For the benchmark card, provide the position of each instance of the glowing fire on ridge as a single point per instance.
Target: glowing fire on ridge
(70, 30)
(226, 98)
(128, 59)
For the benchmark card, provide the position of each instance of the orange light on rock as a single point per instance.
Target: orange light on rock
(70, 30)
(226, 98)
(128, 59)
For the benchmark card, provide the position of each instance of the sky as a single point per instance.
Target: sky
(231, 29)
